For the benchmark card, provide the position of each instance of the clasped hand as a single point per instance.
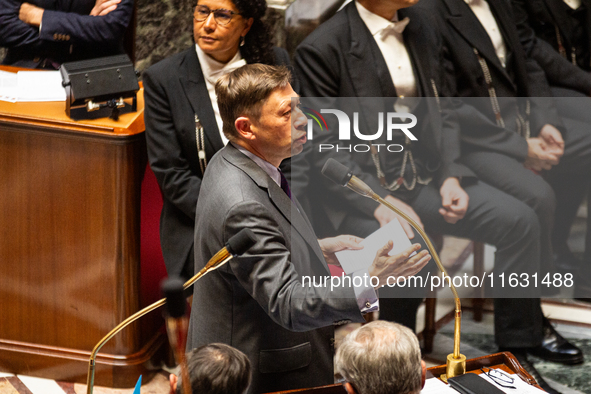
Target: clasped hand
(33, 15)
(544, 151)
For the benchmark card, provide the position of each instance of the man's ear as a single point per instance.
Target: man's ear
(173, 379)
(423, 373)
(349, 388)
(244, 127)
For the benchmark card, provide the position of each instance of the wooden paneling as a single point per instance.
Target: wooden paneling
(69, 244)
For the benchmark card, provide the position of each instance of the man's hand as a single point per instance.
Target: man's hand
(538, 157)
(385, 266)
(343, 242)
(454, 200)
(30, 14)
(103, 7)
(384, 215)
(553, 139)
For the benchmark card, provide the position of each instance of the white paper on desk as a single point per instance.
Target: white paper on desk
(360, 260)
(436, 386)
(40, 86)
(8, 86)
(521, 387)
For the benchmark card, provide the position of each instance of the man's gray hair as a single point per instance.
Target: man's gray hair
(381, 358)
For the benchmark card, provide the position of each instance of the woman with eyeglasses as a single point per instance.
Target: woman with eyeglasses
(183, 124)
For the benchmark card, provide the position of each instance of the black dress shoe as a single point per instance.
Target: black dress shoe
(555, 348)
(521, 356)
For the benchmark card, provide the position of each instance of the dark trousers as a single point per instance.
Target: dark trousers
(493, 217)
(570, 193)
(566, 183)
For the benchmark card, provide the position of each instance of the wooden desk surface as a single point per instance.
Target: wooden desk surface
(52, 114)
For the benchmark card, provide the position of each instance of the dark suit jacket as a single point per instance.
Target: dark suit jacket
(537, 22)
(522, 77)
(68, 32)
(341, 59)
(256, 302)
(175, 91)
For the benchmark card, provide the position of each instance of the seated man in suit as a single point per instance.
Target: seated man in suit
(215, 369)
(384, 48)
(258, 303)
(484, 58)
(381, 358)
(557, 34)
(44, 34)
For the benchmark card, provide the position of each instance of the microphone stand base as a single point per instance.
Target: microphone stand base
(455, 367)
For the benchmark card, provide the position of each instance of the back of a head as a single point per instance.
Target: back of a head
(217, 369)
(381, 358)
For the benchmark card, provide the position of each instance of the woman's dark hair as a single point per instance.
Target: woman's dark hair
(258, 44)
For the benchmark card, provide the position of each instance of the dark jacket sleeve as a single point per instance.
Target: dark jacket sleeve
(267, 273)
(476, 129)
(449, 108)
(559, 71)
(86, 28)
(79, 28)
(317, 74)
(13, 31)
(543, 110)
(178, 183)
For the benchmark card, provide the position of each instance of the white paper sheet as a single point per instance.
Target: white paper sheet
(40, 86)
(8, 86)
(436, 386)
(360, 260)
(521, 387)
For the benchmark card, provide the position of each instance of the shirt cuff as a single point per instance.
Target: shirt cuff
(367, 298)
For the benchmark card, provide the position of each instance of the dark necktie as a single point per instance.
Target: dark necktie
(285, 185)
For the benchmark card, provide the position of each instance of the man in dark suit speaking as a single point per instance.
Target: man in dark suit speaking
(258, 303)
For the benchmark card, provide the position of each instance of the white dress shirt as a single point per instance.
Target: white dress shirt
(574, 4)
(212, 71)
(389, 39)
(481, 9)
(367, 299)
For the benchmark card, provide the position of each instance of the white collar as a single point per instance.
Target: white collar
(374, 22)
(212, 69)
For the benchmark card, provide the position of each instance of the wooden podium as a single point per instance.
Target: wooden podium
(69, 244)
(504, 361)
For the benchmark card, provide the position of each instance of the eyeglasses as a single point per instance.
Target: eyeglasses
(499, 377)
(221, 16)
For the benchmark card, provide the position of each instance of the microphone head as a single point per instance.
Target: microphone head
(176, 303)
(336, 172)
(241, 242)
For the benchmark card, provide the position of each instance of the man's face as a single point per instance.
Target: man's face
(281, 129)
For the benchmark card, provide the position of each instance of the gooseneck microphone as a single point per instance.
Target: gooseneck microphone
(236, 245)
(342, 176)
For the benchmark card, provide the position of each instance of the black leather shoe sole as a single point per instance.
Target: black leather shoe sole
(562, 359)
